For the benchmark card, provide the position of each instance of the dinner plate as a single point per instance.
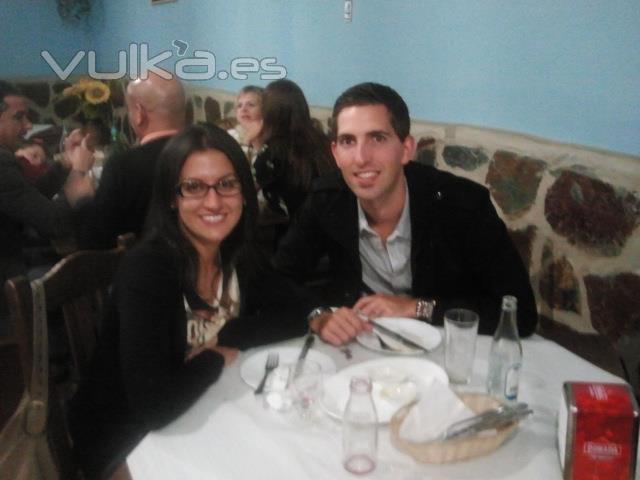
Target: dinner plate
(420, 332)
(392, 379)
(252, 369)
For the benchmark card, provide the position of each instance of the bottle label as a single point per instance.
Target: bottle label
(511, 382)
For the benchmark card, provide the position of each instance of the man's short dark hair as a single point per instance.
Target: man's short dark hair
(374, 94)
(6, 90)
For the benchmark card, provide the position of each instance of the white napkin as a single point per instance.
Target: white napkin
(430, 417)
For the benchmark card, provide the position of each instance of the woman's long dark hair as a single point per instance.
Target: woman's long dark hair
(162, 219)
(290, 132)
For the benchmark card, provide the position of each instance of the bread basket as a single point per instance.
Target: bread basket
(457, 449)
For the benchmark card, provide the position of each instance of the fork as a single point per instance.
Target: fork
(270, 365)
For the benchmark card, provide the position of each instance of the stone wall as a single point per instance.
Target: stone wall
(572, 211)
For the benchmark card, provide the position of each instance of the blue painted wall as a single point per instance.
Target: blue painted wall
(567, 70)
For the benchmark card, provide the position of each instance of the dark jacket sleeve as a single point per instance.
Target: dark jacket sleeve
(51, 182)
(159, 384)
(103, 213)
(273, 310)
(23, 203)
(488, 264)
(303, 244)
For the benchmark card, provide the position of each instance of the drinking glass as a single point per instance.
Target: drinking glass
(460, 333)
(277, 396)
(306, 388)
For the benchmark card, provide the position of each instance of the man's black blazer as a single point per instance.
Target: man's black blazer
(461, 253)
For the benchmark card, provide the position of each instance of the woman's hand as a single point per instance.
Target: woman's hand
(228, 353)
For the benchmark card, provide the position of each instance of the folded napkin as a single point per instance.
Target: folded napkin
(436, 410)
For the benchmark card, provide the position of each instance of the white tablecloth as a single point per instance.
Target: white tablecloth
(228, 434)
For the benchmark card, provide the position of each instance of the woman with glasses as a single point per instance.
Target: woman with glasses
(192, 293)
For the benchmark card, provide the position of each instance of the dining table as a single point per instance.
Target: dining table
(229, 434)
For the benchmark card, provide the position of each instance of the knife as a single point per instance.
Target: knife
(492, 419)
(303, 353)
(401, 338)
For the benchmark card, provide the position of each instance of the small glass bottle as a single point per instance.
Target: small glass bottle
(360, 428)
(505, 359)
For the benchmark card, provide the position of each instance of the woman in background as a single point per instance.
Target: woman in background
(248, 131)
(185, 299)
(296, 153)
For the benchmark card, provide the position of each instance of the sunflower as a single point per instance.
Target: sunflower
(96, 92)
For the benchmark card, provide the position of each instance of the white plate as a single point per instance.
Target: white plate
(420, 332)
(252, 368)
(419, 371)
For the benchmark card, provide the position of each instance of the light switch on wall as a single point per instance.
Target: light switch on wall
(348, 10)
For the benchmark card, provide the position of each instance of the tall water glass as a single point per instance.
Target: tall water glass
(460, 333)
(307, 388)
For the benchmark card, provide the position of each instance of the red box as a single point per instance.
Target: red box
(598, 431)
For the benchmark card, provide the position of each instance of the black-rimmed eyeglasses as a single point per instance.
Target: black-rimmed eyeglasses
(194, 188)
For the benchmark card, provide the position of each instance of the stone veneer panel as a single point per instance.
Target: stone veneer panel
(212, 110)
(614, 302)
(37, 92)
(189, 112)
(523, 241)
(426, 151)
(591, 213)
(558, 283)
(464, 157)
(513, 181)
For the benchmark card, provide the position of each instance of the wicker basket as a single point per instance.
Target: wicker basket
(456, 449)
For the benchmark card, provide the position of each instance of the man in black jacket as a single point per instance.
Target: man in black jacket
(156, 109)
(22, 204)
(403, 239)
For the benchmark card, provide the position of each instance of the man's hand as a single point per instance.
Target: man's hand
(80, 156)
(383, 305)
(78, 186)
(340, 326)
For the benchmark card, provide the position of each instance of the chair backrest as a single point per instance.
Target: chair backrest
(79, 284)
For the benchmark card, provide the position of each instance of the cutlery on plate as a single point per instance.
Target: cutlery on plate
(270, 365)
(397, 336)
(308, 342)
(489, 420)
(346, 351)
(383, 345)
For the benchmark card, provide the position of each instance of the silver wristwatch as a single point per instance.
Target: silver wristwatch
(424, 309)
(316, 312)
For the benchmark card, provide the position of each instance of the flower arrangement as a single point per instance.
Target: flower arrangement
(94, 96)
(93, 101)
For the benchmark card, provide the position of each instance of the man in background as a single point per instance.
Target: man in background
(156, 108)
(403, 239)
(21, 203)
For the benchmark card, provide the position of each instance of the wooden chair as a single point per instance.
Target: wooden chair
(79, 284)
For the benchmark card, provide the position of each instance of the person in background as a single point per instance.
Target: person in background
(296, 151)
(403, 239)
(248, 131)
(185, 299)
(156, 109)
(21, 203)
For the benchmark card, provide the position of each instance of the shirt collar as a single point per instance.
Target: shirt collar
(149, 137)
(403, 228)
